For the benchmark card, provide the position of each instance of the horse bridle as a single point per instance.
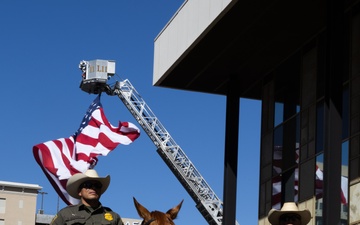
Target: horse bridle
(148, 222)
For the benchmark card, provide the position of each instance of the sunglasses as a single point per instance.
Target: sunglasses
(290, 218)
(92, 185)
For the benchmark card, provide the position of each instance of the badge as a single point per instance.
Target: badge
(108, 216)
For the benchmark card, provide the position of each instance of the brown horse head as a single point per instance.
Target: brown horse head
(157, 217)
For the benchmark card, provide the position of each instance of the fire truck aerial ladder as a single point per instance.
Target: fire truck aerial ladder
(95, 75)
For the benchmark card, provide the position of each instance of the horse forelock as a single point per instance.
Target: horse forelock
(161, 218)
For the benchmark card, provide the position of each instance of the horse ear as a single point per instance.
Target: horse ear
(142, 211)
(174, 211)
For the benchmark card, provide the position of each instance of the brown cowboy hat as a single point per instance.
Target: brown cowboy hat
(77, 179)
(289, 207)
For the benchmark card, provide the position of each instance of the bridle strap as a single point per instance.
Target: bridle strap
(148, 222)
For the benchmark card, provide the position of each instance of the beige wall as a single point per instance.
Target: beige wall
(18, 202)
(354, 203)
(20, 208)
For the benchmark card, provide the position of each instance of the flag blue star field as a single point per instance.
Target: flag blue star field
(94, 105)
(61, 158)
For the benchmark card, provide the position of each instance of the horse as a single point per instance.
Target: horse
(157, 217)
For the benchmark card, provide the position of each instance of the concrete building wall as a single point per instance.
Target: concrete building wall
(18, 203)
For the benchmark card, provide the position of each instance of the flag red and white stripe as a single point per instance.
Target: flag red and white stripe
(60, 159)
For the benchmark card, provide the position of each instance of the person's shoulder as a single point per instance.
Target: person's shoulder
(67, 208)
(108, 209)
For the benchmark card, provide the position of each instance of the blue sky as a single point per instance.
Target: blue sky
(42, 43)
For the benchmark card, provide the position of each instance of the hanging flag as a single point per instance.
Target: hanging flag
(60, 159)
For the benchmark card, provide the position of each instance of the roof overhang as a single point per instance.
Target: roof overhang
(247, 38)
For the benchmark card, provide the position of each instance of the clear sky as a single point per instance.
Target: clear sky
(41, 45)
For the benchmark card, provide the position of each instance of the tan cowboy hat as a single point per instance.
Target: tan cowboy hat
(77, 179)
(289, 207)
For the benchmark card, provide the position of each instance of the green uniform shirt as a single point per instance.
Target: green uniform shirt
(81, 214)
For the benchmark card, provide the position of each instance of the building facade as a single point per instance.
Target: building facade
(18, 203)
(302, 60)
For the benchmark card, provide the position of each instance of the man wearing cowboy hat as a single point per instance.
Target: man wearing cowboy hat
(87, 187)
(289, 215)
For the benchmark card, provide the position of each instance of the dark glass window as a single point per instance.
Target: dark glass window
(279, 113)
(277, 152)
(286, 136)
(276, 193)
(277, 168)
(285, 108)
(320, 127)
(307, 180)
(345, 112)
(318, 188)
(287, 86)
(344, 181)
(285, 161)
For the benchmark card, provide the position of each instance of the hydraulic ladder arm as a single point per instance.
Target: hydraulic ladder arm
(207, 202)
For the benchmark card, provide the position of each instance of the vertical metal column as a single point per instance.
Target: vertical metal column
(231, 152)
(333, 110)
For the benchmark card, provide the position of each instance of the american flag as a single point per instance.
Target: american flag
(276, 182)
(60, 159)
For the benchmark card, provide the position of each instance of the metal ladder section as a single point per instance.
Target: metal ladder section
(209, 205)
